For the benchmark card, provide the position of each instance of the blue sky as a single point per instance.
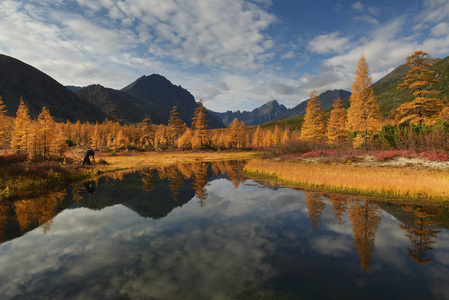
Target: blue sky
(233, 54)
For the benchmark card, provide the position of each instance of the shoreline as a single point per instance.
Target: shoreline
(397, 180)
(27, 179)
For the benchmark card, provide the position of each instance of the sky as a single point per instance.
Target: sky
(233, 54)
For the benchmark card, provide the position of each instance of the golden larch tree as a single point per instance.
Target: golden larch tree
(336, 126)
(199, 125)
(425, 107)
(313, 127)
(21, 133)
(176, 126)
(46, 131)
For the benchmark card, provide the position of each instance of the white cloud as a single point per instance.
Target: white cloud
(329, 43)
(441, 29)
(357, 6)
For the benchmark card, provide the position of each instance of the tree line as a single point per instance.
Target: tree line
(359, 125)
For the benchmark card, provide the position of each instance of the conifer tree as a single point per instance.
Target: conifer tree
(257, 137)
(232, 134)
(313, 127)
(364, 112)
(243, 138)
(336, 126)
(176, 126)
(20, 137)
(3, 125)
(425, 107)
(199, 124)
(147, 138)
(46, 131)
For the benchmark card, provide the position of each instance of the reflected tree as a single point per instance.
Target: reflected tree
(4, 212)
(421, 232)
(200, 179)
(37, 212)
(148, 176)
(365, 216)
(339, 204)
(315, 207)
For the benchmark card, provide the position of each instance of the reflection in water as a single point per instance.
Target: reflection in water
(365, 216)
(421, 232)
(237, 239)
(315, 207)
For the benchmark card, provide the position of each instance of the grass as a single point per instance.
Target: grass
(381, 181)
(21, 178)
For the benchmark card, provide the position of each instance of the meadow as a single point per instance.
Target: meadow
(392, 182)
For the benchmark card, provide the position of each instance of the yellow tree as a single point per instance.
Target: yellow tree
(20, 137)
(3, 125)
(199, 124)
(185, 141)
(425, 107)
(232, 134)
(363, 112)
(257, 137)
(336, 126)
(46, 130)
(176, 126)
(313, 127)
(242, 137)
(147, 137)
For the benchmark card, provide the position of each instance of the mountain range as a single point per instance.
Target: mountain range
(154, 96)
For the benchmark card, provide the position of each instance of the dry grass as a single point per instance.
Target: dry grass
(388, 181)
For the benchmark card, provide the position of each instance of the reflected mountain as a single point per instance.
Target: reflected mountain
(151, 193)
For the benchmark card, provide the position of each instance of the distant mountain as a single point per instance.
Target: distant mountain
(327, 99)
(73, 88)
(18, 79)
(121, 106)
(268, 112)
(156, 95)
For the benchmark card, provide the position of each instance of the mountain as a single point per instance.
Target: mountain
(156, 96)
(73, 88)
(327, 99)
(268, 112)
(121, 106)
(18, 79)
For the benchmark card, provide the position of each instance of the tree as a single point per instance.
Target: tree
(147, 138)
(257, 137)
(425, 107)
(199, 124)
(313, 127)
(46, 130)
(3, 125)
(232, 134)
(336, 126)
(176, 126)
(20, 137)
(363, 112)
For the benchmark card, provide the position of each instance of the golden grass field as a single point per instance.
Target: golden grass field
(382, 181)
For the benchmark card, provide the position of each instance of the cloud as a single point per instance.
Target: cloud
(441, 29)
(329, 43)
(357, 6)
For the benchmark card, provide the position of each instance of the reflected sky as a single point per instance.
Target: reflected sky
(249, 242)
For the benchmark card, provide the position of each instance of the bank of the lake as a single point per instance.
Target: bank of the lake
(25, 178)
(401, 181)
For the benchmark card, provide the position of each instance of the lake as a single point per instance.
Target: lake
(205, 231)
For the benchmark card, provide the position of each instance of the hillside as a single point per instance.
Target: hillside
(18, 79)
(119, 105)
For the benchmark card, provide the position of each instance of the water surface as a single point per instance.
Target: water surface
(205, 231)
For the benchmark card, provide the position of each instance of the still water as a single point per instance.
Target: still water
(205, 231)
